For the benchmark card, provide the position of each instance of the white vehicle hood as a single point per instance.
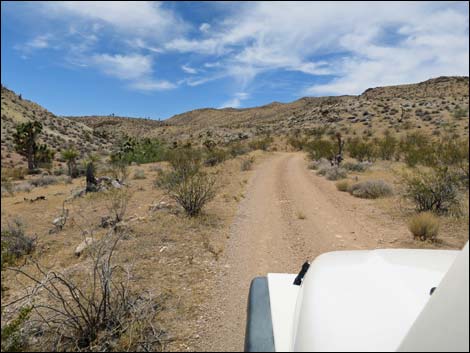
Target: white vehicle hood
(363, 300)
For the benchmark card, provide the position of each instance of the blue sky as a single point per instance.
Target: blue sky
(157, 59)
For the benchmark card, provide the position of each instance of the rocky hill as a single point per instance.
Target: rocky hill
(434, 105)
(118, 126)
(437, 105)
(58, 133)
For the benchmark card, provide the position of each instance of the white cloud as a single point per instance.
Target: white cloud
(39, 42)
(125, 67)
(153, 85)
(205, 27)
(188, 69)
(236, 101)
(359, 44)
(134, 68)
(145, 18)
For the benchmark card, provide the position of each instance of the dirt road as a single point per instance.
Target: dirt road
(289, 215)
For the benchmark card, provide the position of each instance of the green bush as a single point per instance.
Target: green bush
(361, 149)
(436, 190)
(387, 146)
(13, 339)
(140, 151)
(417, 148)
(318, 149)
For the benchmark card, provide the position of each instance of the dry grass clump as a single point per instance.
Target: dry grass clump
(301, 215)
(424, 226)
(342, 185)
(139, 174)
(371, 189)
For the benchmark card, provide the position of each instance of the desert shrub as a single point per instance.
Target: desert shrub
(58, 171)
(192, 191)
(321, 164)
(297, 143)
(15, 243)
(436, 190)
(387, 146)
(185, 161)
(371, 189)
(460, 113)
(139, 174)
(336, 173)
(261, 143)
(140, 151)
(454, 153)
(23, 187)
(7, 189)
(355, 167)
(215, 156)
(45, 180)
(246, 164)
(318, 149)
(416, 148)
(238, 149)
(13, 337)
(117, 201)
(342, 185)
(14, 173)
(94, 309)
(361, 149)
(424, 226)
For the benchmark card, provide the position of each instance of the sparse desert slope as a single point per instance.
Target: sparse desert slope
(429, 105)
(58, 133)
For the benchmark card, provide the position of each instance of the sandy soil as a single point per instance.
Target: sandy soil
(289, 215)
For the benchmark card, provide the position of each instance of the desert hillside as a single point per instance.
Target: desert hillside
(431, 105)
(434, 106)
(57, 133)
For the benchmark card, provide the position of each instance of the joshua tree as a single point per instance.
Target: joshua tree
(25, 141)
(70, 155)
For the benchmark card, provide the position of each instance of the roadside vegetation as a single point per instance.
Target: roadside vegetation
(432, 177)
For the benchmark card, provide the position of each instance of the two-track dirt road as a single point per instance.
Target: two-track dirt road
(289, 215)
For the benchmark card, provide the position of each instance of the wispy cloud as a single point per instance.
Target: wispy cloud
(188, 69)
(236, 101)
(353, 46)
(134, 68)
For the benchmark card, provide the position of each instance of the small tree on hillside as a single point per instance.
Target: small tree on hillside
(25, 138)
(70, 155)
